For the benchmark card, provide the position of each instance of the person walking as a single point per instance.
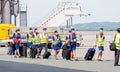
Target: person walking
(67, 49)
(16, 40)
(100, 41)
(68, 39)
(30, 36)
(36, 41)
(117, 51)
(73, 38)
(56, 43)
(44, 40)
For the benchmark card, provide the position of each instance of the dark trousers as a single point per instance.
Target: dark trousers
(43, 45)
(117, 54)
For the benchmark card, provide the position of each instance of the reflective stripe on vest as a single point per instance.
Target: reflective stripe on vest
(117, 42)
(36, 40)
(56, 40)
(30, 38)
(44, 38)
(100, 41)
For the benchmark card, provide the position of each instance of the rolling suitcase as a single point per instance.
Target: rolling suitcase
(46, 55)
(90, 54)
(66, 52)
(64, 47)
(63, 54)
(20, 50)
(23, 50)
(33, 52)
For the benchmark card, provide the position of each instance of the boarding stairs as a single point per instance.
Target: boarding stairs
(61, 14)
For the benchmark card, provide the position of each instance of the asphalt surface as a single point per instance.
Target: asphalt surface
(6, 66)
(10, 64)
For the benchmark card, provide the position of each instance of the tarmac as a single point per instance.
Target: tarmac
(10, 64)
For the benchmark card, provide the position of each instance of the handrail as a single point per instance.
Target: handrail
(47, 15)
(60, 5)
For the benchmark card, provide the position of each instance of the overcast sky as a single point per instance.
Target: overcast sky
(101, 10)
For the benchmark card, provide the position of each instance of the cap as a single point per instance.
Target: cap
(69, 30)
(17, 30)
(44, 29)
(30, 28)
(118, 29)
(55, 31)
(72, 29)
(101, 29)
(35, 29)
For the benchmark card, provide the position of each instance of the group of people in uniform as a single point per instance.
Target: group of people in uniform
(40, 41)
(100, 42)
(117, 51)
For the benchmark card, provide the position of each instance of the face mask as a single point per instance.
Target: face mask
(18, 32)
(44, 32)
(73, 31)
(57, 35)
(31, 30)
(36, 30)
(101, 30)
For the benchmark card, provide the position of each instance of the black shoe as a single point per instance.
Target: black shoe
(38, 57)
(19, 56)
(15, 56)
(71, 59)
(76, 59)
(56, 58)
(116, 65)
(100, 60)
(30, 57)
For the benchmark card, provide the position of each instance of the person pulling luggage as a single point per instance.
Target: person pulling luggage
(44, 40)
(68, 40)
(16, 39)
(66, 53)
(30, 36)
(100, 41)
(56, 43)
(73, 44)
(117, 51)
(36, 42)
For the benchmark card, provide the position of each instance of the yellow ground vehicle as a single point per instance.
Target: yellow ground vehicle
(4, 33)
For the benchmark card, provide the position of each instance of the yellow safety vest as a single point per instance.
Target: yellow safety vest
(36, 40)
(44, 38)
(30, 38)
(56, 40)
(117, 42)
(100, 41)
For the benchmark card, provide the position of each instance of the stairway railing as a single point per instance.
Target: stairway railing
(60, 5)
